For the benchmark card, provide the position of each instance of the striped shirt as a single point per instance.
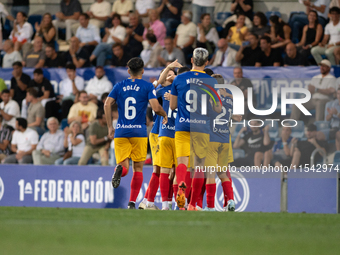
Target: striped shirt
(5, 134)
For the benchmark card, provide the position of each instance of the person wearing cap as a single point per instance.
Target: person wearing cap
(307, 147)
(331, 38)
(322, 88)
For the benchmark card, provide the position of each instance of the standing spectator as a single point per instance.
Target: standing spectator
(116, 34)
(299, 20)
(51, 145)
(293, 58)
(268, 56)
(20, 6)
(150, 54)
(170, 53)
(9, 109)
(207, 36)
(134, 36)
(3, 13)
(53, 59)
(322, 88)
(143, 7)
(237, 33)
(123, 8)
(200, 7)
(279, 33)
(185, 35)
(156, 27)
(46, 30)
(311, 35)
(260, 25)
(35, 112)
(119, 57)
(24, 142)
(99, 12)
(22, 31)
(225, 56)
(170, 13)
(35, 58)
(68, 15)
(98, 85)
(247, 55)
(5, 139)
(97, 141)
(19, 83)
(74, 140)
(77, 55)
(11, 55)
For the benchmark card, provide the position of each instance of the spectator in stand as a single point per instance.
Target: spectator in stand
(225, 56)
(98, 85)
(99, 12)
(84, 111)
(53, 59)
(185, 35)
(200, 7)
(97, 141)
(35, 112)
(311, 35)
(170, 12)
(3, 13)
(19, 83)
(170, 53)
(279, 32)
(237, 33)
(249, 52)
(22, 31)
(322, 88)
(5, 139)
(123, 8)
(134, 36)
(9, 109)
(150, 54)
(301, 151)
(2, 85)
(20, 6)
(119, 57)
(299, 20)
(156, 27)
(143, 7)
(51, 145)
(116, 34)
(74, 141)
(24, 142)
(35, 58)
(268, 56)
(294, 58)
(207, 36)
(11, 55)
(260, 25)
(46, 30)
(77, 55)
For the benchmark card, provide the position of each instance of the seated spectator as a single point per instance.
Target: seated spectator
(84, 111)
(22, 31)
(279, 32)
(97, 141)
(24, 142)
(53, 59)
(299, 20)
(123, 8)
(170, 53)
(5, 139)
(87, 34)
(322, 88)
(68, 15)
(185, 35)
(9, 109)
(11, 55)
(301, 151)
(4, 13)
(330, 40)
(249, 52)
(143, 7)
(119, 57)
(98, 85)
(268, 56)
(293, 58)
(156, 27)
(99, 12)
(237, 33)
(311, 35)
(77, 55)
(74, 141)
(35, 112)
(51, 145)
(19, 83)
(35, 58)
(200, 7)
(260, 25)
(116, 34)
(170, 14)
(46, 30)
(207, 36)
(149, 55)
(225, 56)
(134, 36)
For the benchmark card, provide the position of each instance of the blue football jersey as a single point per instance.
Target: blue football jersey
(156, 117)
(167, 129)
(195, 92)
(132, 97)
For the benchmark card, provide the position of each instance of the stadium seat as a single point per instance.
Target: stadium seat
(272, 13)
(221, 17)
(7, 29)
(63, 124)
(299, 130)
(294, 12)
(238, 153)
(32, 19)
(320, 125)
(336, 160)
(273, 129)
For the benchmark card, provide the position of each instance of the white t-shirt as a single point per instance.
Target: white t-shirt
(102, 9)
(184, 32)
(142, 6)
(98, 87)
(11, 108)
(65, 87)
(3, 14)
(10, 58)
(77, 150)
(329, 81)
(318, 3)
(333, 32)
(205, 3)
(25, 140)
(118, 32)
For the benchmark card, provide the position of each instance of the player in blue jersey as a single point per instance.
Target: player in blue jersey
(190, 93)
(130, 136)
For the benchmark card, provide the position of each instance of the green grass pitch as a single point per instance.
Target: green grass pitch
(117, 231)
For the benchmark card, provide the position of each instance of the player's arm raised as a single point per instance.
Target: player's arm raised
(108, 115)
(158, 109)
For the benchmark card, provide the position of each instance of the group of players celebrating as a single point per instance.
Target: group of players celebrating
(187, 137)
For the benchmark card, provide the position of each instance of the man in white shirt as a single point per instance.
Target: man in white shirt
(9, 109)
(225, 56)
(24, 142)
(322, 88)
(11, 55)
(98, 85)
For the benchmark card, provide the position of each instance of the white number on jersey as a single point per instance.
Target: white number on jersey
(130, 108)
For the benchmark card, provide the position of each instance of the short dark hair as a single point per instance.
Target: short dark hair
(311, 127)
(22, 122)
(255, 35)
(203, 15)
(5, 91)
(105, 95)
(71, 66)
(33, 92)
(263, 18)
(151, 37)
(117, 45)
(334, 9)
(17, 63)
(38, 71)
(168, 38)
(183, 69)
(135, 65)
(85, 15)
(219, 78)
(116, 15)
(99, 67)
(82, 92)
(208, 71)
(100, 113)
(267, 38)
(23, 14)
(50, 45)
